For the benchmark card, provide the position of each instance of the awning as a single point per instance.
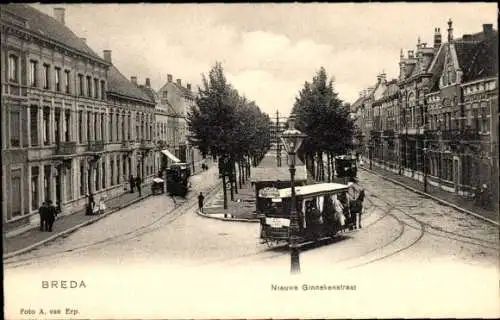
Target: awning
(170, 155)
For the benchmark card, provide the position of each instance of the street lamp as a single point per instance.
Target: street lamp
(292, 139)
(426, 150)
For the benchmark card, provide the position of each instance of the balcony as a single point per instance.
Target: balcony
(388, 133)
(147, 144)
(127, 145)
(66, 148)
(95, 146)
(460, 135)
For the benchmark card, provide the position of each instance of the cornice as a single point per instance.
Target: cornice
(28, 35)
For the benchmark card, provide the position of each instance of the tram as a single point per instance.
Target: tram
(322, 210)
(177, 176)
(345, 167)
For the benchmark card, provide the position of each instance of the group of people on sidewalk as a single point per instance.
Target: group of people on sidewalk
(48, 212)
(135, 182)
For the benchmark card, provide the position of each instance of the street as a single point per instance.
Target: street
(399, 227)
(410, 242)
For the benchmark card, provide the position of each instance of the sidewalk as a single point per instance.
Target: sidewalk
(439, 194)
(242, 209)
(69, 223)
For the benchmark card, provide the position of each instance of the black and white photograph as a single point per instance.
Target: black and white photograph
(250, 160)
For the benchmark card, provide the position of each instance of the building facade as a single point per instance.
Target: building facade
(441, 115)
(52, 84)
(177, 100)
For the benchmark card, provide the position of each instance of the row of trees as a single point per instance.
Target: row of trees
(228, 126)
(324, 118)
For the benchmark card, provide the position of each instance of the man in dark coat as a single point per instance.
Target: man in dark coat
(201, 198)
(138, 182)
(51, 215)
(42, 211)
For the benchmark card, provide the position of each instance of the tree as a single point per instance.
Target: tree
(324, 118)
(227, 125)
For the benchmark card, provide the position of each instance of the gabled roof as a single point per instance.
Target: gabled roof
(357, 104)
(465, 52)
(119, 84)
(483, 60)
(436, 68)
(46, 26)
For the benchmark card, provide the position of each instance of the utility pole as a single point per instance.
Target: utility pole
(278, 148)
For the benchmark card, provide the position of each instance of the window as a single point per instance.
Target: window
(110, 122)
(57, 124)
(80, 84)
(58, 78)
(46, 76)
(97, 176)
(33, 73)
(80, 126)
(67, 127)
(46, 181)
(15, 130)
(35, 201)
(123, 126)
(68, 180)
(34, 125)
(103, 90)
(13, 68)
(103, 129)
(112, 168)
(89, 87)
(118, 173)
(15, 189)
(485, 125)
(88, 125)
(96, 88)
(66, 81)
(82, 178)
(103, 177)
(46, 126)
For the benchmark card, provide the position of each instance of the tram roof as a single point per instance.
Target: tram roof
(313, 189)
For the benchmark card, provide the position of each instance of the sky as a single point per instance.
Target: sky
(269, 50)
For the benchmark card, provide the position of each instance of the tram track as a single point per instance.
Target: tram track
(161, 221)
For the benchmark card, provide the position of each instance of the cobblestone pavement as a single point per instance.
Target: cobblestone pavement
(411, 249)
(439, 193)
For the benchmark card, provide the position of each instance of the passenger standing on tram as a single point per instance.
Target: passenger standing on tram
(356, 195)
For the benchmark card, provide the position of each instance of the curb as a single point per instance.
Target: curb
(449, 204)
(226, 219)
(73, 229)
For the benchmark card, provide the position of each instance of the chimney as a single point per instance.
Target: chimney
(59, 15)
(169, 77)
(401, 55)
(383, 78)
(148, 83)
(179, 82)
(450, 30)
(410, 54)
(467, 37)
(437, 38)
(488, 28)
(83, 39)
(188, 86)
(107, 55)
(133, 79)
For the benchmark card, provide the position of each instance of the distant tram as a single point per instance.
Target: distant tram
(178, 179)
(322, 210)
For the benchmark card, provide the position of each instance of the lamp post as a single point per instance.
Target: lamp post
(426, 150)
(292, 139)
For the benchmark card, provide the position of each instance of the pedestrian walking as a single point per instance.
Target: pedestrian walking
(51, 215)
(138, 183)
(201, 198)
(43, 212)
(131, 181)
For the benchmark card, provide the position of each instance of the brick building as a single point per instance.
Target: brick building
(442, 114)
